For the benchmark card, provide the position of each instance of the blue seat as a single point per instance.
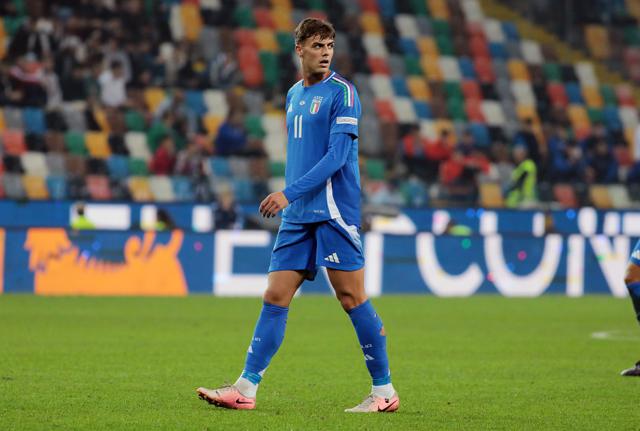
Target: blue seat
(118, 167)
(480, 134)
(510, 31)
(423, 110)
(574, 93)
(244, 190)
(409, 47)
(466, 67)
(387, 8)
(220, 166)
(34, 121)
(399, 84)
(414, 193)
(57, 186)
(182, 188)
(611, 118)
(498, 50)
(195, 100)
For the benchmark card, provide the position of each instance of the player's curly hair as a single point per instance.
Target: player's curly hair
(310, 27)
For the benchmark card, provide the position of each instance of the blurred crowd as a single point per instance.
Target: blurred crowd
(106, 53)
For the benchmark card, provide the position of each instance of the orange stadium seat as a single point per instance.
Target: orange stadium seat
(35, 187)
(13, 142)
(191, 21)
(491, 195)
(370, 23)
(98, 187)
(418, 88)
(140, 189)
(427, 46)
(97, 144)
(599, 195)
(153, 97)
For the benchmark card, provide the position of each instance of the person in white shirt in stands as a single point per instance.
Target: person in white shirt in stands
(113, 92)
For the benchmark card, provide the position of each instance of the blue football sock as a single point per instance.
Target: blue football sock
(634, 292)
(373, 341)
(267, 338)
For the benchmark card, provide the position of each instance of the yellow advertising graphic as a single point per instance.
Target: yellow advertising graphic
(60, 268)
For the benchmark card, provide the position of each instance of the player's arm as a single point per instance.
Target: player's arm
(340, 145)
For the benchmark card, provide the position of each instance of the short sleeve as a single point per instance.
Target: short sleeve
(345, 109)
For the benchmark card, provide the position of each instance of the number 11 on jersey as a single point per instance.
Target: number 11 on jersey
(297, 126)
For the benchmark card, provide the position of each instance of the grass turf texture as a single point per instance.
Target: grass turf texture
(477, 363)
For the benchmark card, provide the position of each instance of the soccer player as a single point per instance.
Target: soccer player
(320, 222)
(632, 280)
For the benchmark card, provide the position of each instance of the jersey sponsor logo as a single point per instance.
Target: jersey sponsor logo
(347, 120)
(333, 257)
(636, 254)
(315, 104)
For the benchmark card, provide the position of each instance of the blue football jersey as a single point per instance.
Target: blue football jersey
(314, 113)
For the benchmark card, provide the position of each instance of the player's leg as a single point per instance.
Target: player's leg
(632, 280)
(340, 250)
(292, 260)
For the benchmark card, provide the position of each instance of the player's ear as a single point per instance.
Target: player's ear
(299, 49)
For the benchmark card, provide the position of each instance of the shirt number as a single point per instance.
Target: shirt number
(297, 126)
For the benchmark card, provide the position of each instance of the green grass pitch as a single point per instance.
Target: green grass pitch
(484, 362)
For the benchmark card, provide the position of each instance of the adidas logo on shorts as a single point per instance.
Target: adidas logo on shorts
(333, 258)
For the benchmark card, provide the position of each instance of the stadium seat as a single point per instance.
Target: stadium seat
(118, 167)
(34, 121)
(491, 195)
(161, 188)
(13, 118)
(212, 124)
(57, 187)
(13, 142)
(139, 189)
(13, 186)
(98, 187)
(35, 187)
(34, 163)
(138, 167)
(216, 103)
(153, 97)
(55, 163)
(182, 189)
(74, 142)
(599, 195)
(136, 143)
(565, 195)
(220, 167)
(97, 144)
(75, 165)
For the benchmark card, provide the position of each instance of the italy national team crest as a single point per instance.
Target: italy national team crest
(315, 104)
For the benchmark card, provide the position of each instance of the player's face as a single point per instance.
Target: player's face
(316, 55)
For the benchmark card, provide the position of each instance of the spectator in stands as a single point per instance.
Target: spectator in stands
(27, 82)
(459, 174)
(164, 159)
(226, 212)
(566, 161)
(113, 82)
(437, 152)
(51, 84)
(223, 70)
(522, 190)
(413, 151)
(601, 165)
(527, 137)
(232, 137)
(185, 120)
(164, 221)
(80, 221)
(501, 165)
(190, 160)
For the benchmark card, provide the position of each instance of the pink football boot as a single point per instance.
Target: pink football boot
(375, 404)
(228, 397)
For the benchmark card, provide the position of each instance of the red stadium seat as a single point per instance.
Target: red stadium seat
(557, 94)
(484, 70)
(471, 90)
(378, 65)
(565, 195)
(13, 141)
(245, 37)
(98, 187)
(385, 111)
(479, 47)
(473, 109)
(263, 18)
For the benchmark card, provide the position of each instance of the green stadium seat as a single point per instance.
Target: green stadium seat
(276, 168)
(253, 125)
(375, 169)
(243, 17)
(552, 72)
(74, 142)
(134, 121)
(138, 167)
(270, 68)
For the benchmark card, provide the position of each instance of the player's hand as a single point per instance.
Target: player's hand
(273, 203)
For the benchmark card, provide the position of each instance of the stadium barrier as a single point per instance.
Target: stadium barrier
(58, 261)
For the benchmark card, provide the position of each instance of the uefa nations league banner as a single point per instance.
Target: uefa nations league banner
(57, 261)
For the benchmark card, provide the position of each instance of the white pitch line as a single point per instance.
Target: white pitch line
(616, 335)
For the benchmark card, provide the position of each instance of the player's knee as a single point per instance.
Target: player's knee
(349, 300)
(632, 276)
(276, 298)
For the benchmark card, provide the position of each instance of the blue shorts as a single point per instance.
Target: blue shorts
(306, 246)
(635, 255)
